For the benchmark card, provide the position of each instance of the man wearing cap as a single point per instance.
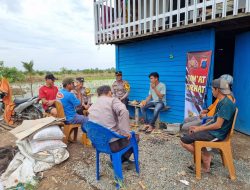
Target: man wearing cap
(210, 111)
(218, 129)
(70, 102)
(83, 94)
(120, 88)
(47, 93)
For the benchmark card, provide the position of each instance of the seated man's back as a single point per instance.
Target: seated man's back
(111, 113)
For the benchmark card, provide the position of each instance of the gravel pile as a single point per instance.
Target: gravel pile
(163, 163)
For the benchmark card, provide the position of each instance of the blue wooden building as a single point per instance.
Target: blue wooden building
(156, 35)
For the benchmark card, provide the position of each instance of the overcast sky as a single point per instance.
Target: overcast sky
(52, 33)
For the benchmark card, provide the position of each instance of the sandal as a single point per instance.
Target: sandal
(149, 130)
(192, 169)
(144, 128)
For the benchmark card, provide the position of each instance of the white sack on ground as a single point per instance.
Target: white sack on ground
(19, 170)
(38, 146)
(25, 164)
(49, 133)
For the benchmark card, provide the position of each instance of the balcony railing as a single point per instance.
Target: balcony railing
(122, 19)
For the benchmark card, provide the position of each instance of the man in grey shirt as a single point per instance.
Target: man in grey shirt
(156, 98)
(111, 113)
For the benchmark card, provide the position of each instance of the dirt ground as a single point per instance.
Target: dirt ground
(63, 176)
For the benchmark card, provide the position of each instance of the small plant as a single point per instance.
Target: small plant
(121, 184)
(25, 186)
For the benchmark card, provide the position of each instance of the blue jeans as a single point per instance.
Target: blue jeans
(158, 106)
(79, 119)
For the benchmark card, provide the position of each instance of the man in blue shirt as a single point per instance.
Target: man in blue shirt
(156, 98)
(216, 130)
(70, 102)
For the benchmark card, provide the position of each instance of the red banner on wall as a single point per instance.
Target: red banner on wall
(197, 71)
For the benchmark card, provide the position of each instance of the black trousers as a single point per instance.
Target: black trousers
(120, 144)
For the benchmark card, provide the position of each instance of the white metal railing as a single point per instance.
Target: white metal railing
(122, 19)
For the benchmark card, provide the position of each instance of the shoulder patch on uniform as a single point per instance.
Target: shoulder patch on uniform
(59, 95)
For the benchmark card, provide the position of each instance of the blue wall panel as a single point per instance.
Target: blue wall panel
(241, 86)
(136, 60)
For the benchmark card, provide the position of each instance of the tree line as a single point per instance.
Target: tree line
(15, 75)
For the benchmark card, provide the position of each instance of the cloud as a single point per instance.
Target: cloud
(53, 33)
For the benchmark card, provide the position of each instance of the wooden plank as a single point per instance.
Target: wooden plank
(151, 15)
(115, 19)
(129, 15)
(111, 20)
(124, 18)
(119, 17)
(236, 3)
(134, 27)
(213, 9)
(204, 11)
(102, 28)
(195, 12)
(107, 24)
(95, 20)
(186, 12)
(224, 10)
(164, 18)
(171, 16)
(145, 16)
(247, 6)
(139, 16)
(157, 15)
(178, 12)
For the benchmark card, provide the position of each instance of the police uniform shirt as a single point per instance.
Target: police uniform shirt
(119, 89)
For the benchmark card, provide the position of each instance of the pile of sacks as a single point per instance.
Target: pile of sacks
(38, 152)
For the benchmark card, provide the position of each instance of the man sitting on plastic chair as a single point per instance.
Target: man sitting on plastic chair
(207, 114)
(111, 113)
(218, 129)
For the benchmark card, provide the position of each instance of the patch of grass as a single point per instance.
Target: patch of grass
(25, 186)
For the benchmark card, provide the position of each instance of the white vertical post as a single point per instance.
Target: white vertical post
(103, 33)
(195, 12)
(119, 18)
(204, 11)
(224, 10)
(99, 22)
(236, 3)
(213, 9)
(139, 16)
(111, 20)
(186, 12)
(124, 18)
(164, 13)
(134, 30)
(145, 15)
(95, 17)
(247, 6)
(171, 14)
(115, 18)
(107, 24)
(129, 15)
(151, 15)
(157, 13)
(178, 12)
